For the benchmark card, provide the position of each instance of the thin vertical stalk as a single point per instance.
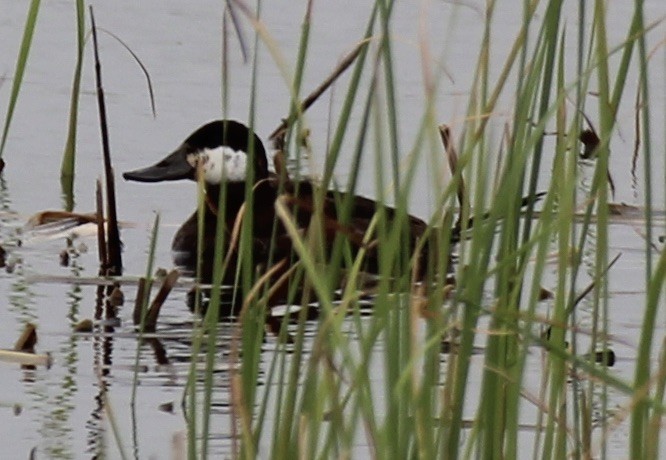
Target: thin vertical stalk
(113, 235)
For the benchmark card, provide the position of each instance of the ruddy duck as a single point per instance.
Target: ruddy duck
(219, 151)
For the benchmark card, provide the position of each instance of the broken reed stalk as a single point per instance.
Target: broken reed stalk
(24, 350)
(114, 266)
(314, 95)
(28, 339)
(155, 307)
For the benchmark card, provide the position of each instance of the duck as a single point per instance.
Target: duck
(227, 153)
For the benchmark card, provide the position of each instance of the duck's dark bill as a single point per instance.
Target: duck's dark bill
(173, 167)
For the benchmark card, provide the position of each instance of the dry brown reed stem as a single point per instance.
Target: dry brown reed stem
(274, 289)
(155, 307)
(28, 339)
(115, 264)
(235, 231)
(314, 95)
(24, 350)
(235, 234)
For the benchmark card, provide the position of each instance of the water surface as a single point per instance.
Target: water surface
(180, 44)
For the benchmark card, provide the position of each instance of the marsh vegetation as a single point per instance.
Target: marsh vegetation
(527, 136)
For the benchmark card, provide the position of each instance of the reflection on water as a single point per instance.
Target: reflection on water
(57, 423)
(57, 429)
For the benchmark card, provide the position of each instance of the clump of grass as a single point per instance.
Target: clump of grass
(327, 393)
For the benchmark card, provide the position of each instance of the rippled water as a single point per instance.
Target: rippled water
(179, 42)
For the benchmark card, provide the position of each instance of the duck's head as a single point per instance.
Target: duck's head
(219, 150)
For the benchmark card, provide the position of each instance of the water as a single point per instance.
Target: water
(180, 45)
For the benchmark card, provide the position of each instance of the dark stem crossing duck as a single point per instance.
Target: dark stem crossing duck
(226, 153)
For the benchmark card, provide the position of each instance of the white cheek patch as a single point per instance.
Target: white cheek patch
(223, 164)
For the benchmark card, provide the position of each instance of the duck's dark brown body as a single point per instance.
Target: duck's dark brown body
(228, 153)
(267, 227)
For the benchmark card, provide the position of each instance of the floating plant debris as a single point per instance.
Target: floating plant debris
(51, 225)
(24, 350)
(50, 216)
(166, 407)
(622, 209)
(117, 298)
(85, 325)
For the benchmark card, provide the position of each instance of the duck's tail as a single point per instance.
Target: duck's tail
(456, 232)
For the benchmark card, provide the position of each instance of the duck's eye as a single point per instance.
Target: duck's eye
(223, 164)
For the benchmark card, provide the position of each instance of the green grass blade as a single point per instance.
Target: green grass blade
(21, 61)
(67, 167)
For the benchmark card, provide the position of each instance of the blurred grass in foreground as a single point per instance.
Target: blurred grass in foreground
(382, 379)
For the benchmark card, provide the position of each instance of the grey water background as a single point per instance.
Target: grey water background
(180, 44)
